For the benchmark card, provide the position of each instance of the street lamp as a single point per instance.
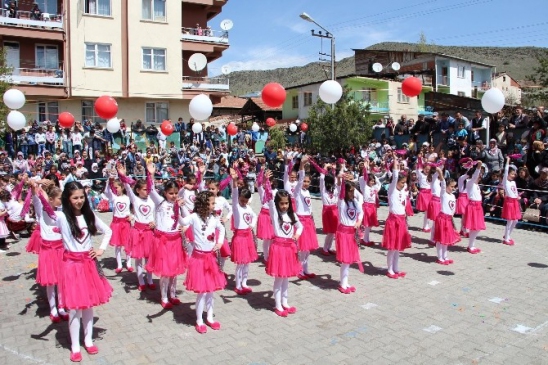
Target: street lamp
(329, 35)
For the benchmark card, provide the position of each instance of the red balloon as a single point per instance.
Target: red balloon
(106, 107)
(304, 127)
(231, 129)
(411, 86)
(271, 122)
(273, 94)
(66, 120)
(167, 128)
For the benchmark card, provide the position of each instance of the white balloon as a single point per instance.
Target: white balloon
(293, 127)
(14, 99)
(492, 101)
(113, 125)
(200, 107)
(197, 128)
(16, 120)
(297, 122)
(331, 91)
(255, 127)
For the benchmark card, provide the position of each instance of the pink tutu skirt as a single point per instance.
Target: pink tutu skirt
(423, 199)
(203, 274)
(80, 283)
(4, 231)
(225, 248)
(474, 218)
(167, 257)
(294, 204)
(189, 235)
(409, 208)
(49, 262)
(308, 241)
(370, 215)
(445, 232)
(510, 209)
(35, 241)
(142, 239)
(264, 225)
(434, 208)
(347, 248)
(243, 247)
(120, 233)
(462, 203)
(330, 219)
(282, 258)
(396, 236)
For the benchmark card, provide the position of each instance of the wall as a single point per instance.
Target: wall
(193, 14)
(397, 109)
(287, 108)
(508, 88)
(27, 50)
(458, 84)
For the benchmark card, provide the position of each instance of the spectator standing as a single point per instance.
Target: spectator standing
(51, 137)
(494, 160)
(479, 124)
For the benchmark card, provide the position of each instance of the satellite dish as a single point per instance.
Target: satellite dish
(197, 62)
(227, 25)
(396, 66)
(377, 67)
(225, 70)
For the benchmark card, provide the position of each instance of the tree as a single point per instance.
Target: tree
(540, 77)
(423, 45)
(276, 138)
(5, 72)
(345, 125)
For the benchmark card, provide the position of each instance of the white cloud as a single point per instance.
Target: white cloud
(267, 58)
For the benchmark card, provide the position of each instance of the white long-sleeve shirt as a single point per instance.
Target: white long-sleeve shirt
(244, 217)
(164, 214)
(261, 196)
(221, 205)
(472, 187)
(448, 201)
(120, 203)
(435, 185)
(302, 197)
(369, 192)
(396, 198)
(288, 185)
(285, 229)
(143, 209)
(510, 189)
(83, 243)
(461, 183)
(204, 232)
(328, 197)
(423, 180)
(48, 226)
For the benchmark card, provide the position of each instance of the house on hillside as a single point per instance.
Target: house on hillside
(384, 97)
(444, 73)
(509, 86)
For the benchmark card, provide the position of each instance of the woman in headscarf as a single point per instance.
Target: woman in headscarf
(494, 158)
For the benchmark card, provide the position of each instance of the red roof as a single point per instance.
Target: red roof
(263, 106)
(230, 101)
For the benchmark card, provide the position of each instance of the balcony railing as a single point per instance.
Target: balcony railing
(204, 35)
(36, 76)
(206, 83)
(375, 106)
(443, 80)
(24, 18)
(481, 85)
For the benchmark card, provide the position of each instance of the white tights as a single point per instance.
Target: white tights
(168, 287)
(280, 290)
(204, 301)
(426, 221)
(50, 291)
(432, 231)
(366, 232)
(266, 248)
(442, 251)
(303, 258)
(472, 238)
(392, 261)
(462, 229)
(118, 252)
(510, 225)
(222, 261)
(242, 273)
(329, 238)
(345, 269)
(141, 272)
(74, 327)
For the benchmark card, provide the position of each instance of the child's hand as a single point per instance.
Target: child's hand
(152, 225)
(93, 253)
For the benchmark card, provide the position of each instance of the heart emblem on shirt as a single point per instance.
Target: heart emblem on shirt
(83, 236)
(121, 206)
(292, 190)
(218, 212)
(192, 198)
(514, 190)
(351, 213)
(307, 201)
(286, 228)
(452, 205)
(247, 218)
(56, 230)
(144, 209)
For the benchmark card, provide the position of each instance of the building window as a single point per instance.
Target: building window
(154, 59)
(402, 98)
(88, 112)
(503, 78)
(47, 6)
(307, 99)
(48, 111)
(460, 71)
(98, 55)
(47, 57)
(461, 93)
(156, 112)
(97, 7)
(295, 102)
(154, 10)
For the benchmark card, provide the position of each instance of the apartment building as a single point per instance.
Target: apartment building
(137, 51)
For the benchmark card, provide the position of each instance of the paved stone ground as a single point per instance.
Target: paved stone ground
(489, 308)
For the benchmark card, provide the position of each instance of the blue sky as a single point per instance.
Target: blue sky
(270, 34)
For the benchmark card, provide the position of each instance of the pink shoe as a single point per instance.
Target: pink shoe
(441, 262)
(302, 276)
(142, 288)
(509, 242)
(201, 329)
(174, 301)
(449, 261)
(54, 319)
(370, 243)
(464, 234)
(152, 286)
(280, 313)
(310, 275)
(401, 274)
(118, 270)
(166, 305)
(343, 290)
(64, 317)
(130, 269)
(392, 276)
(352, 289)
(290, 310)
(214, 325)
(427, 230)
(92, 350)
(247, 289)
(326, 253)
(241, 291)
(474, 250)
(75, 356)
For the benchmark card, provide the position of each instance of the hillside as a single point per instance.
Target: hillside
(517, 61)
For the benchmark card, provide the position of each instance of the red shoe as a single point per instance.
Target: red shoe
(427, 230)
(280, 313)
(214, 325)
(326, 253)
(431, 244)
(333, 253)
(449, 261)
(142, 288)
(174, 301)
(343, 290)
(441, 262)
(64, 317)
(310, 275)
(401, 274)
(241, 291)
(130, 269)
(118, 270)
(464, 234)
(54, 319)
(75, 356)
(290, 310)
(369, 244)
(509, 242)
(166, 305)
(201, 329)
(247, 289)
(474, 250)
(352, 289)
(152, 286)
(302, 276)
(92, 350)
(392, 276)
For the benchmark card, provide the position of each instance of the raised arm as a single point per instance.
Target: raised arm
(156, 198)
(506, 169)
(395, 176)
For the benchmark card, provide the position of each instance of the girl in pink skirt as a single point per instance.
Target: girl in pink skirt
(265, 231)
(350, 219)
(370, 186)
(243, 245)
(282, 259)
(221, 206)
(396, 237)
(204, 276)
(511, 210)
(474, 220)
(425, 192)
(188, 194)
(445, 234)
(434, 206)
(290, 181)
(4, 232)
(120, 225)
(81, 284)
(167, 258)
(308, 241)
(462, 202)
(141, 235)
(50, 254)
